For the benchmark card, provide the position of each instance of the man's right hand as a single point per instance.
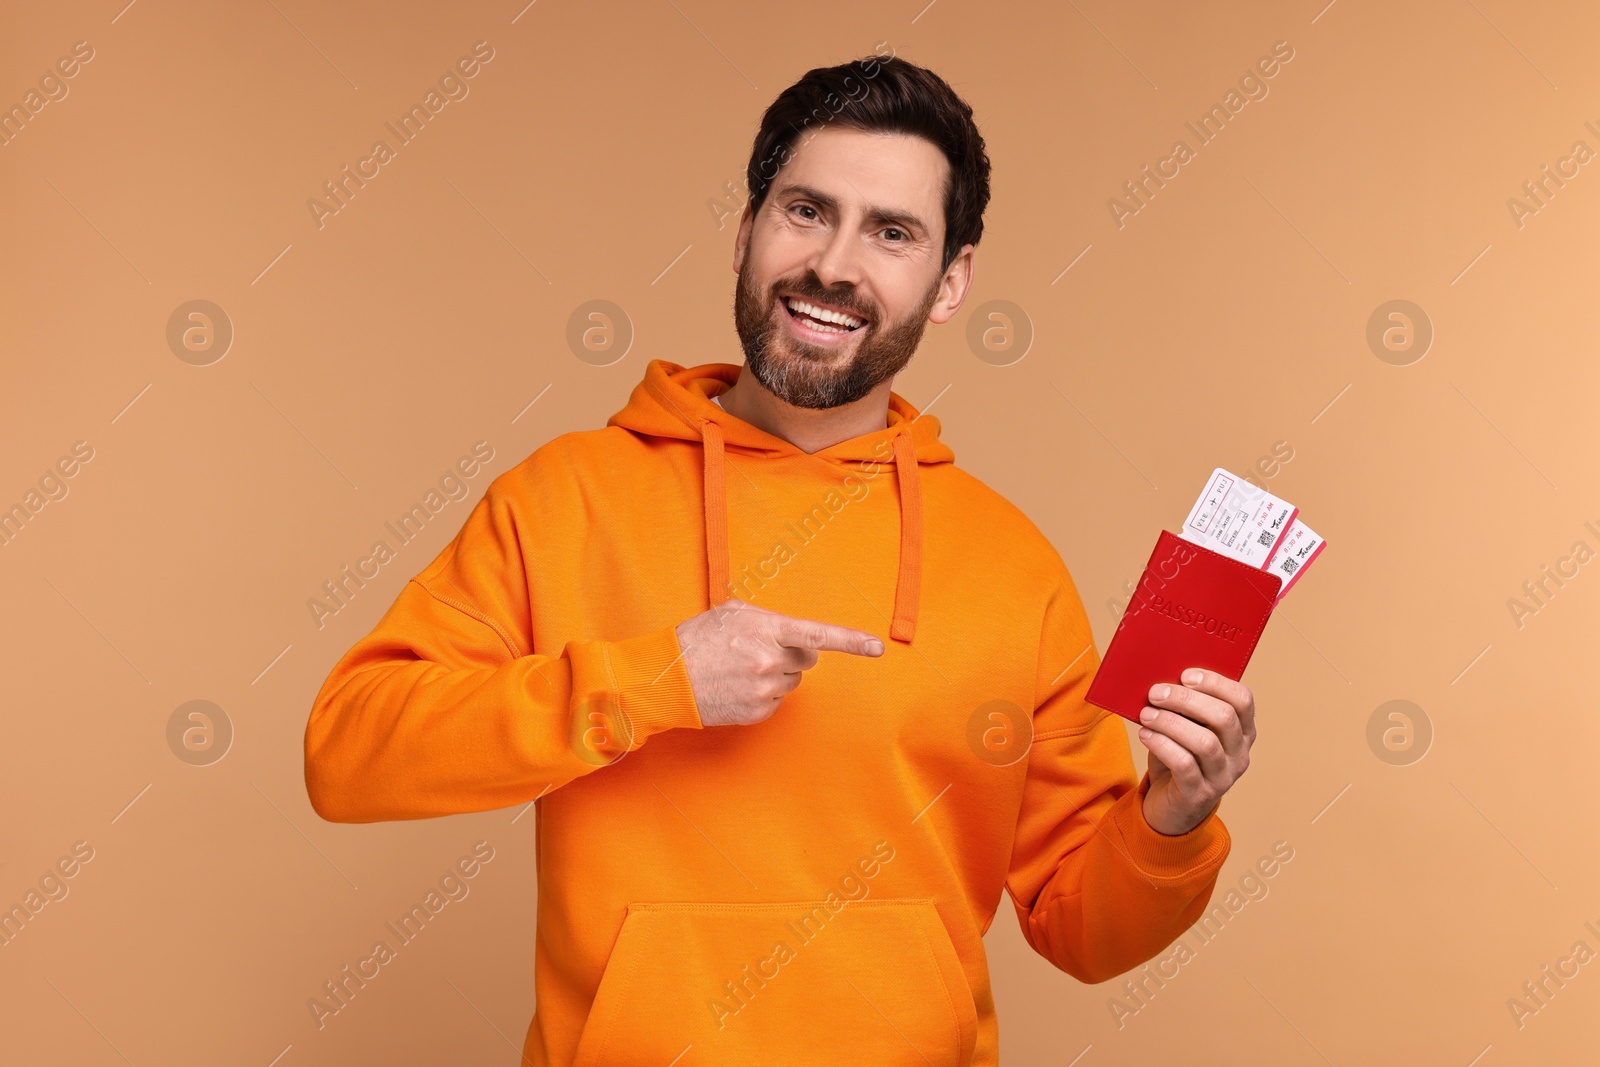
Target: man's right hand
(743, 660)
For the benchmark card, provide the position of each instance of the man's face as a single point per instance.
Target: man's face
(854, 223)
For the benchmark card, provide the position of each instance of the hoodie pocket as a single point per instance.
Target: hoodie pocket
(877, 981)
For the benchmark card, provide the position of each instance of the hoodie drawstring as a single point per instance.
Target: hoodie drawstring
(908, 580)
(908, 584)
(716, 496)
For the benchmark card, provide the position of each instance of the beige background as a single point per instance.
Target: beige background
(1228, 315)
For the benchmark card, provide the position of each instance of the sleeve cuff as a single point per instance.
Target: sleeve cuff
(1170, 856)
(652, 683)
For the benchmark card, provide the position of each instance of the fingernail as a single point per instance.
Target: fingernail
(875, 647)
(1193, 677)
(1147, 715)
(1161, 692)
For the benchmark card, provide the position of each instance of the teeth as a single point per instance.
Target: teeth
(824, 314)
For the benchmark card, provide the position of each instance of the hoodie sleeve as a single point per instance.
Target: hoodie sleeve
(1097, 890)
(442, 709)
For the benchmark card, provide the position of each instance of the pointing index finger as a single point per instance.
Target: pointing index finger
(825, 637)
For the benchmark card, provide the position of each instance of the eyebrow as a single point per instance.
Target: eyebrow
(875, 213)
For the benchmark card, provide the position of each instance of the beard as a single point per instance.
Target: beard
(817, 376)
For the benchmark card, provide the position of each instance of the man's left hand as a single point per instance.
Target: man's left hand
(1199, 736)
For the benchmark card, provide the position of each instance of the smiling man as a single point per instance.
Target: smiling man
(750, 851)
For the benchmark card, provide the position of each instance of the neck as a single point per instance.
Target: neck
(808, 429)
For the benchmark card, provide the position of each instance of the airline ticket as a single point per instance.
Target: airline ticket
(1238, 519)
(1299, 547)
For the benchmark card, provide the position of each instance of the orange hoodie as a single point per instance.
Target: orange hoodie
(813, 888)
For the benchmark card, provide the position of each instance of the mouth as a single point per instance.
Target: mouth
(819, 323)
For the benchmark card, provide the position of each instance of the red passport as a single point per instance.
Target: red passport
(1192, 608)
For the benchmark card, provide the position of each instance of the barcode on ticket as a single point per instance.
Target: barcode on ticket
(1300, 546)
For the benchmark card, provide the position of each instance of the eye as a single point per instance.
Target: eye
(896, 229)
(804, 207)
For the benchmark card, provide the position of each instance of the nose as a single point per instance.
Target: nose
(836, 261)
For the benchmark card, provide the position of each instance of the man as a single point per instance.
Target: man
(796, 696)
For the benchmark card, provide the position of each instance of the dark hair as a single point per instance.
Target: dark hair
(888, 95)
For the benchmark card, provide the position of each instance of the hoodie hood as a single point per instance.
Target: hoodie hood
(676, 402)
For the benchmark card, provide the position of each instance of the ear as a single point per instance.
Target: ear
(741, 240)
(954, 286)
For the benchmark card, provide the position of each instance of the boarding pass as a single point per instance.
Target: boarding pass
(1299, 547)
(1238, 519)
(1242, 521)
